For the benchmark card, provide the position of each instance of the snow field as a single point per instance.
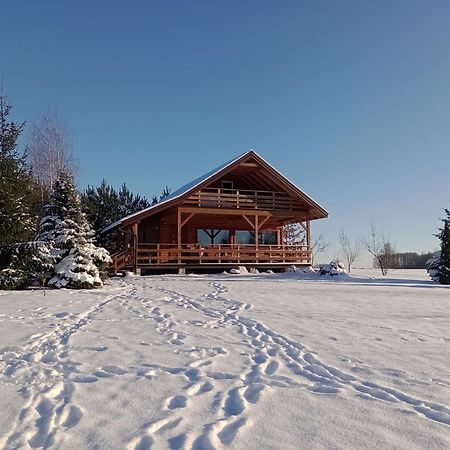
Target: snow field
(228, 361)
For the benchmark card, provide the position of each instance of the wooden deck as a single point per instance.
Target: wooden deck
(243, 199)
(148, 256)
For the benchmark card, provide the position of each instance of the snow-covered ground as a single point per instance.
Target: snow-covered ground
(262, 361)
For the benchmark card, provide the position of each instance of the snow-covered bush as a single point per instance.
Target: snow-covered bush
(239, 270)
(30, 264)
(11, 279)
(307, 269)
(332, 269)
(433, 266)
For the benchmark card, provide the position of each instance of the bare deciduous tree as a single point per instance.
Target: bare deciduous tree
(293, 234)
(378, 245)
(318, 245)
(50, 151)
(350, 248)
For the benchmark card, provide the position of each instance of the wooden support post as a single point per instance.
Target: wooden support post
(256, 237)
(179, 236)
(308, 239)
(135, 232)
(279, 235)
(232, 237)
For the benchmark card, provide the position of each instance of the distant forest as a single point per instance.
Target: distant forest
(408, 260)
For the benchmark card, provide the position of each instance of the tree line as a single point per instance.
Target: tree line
(48, 229)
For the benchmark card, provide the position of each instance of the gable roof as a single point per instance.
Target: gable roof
(198, 183)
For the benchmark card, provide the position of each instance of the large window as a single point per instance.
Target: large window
(268, 237)
(213, 237)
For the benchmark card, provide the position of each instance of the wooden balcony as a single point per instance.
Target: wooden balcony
(244, 199)
(192, 255)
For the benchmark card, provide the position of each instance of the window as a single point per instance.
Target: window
(213, 237)
(227, 184)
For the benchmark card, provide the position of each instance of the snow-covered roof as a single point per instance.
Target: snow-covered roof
(204, 178)
(179, 192)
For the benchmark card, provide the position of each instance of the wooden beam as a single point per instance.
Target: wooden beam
(256, 237)
(179, 229)
(135, 232)
(232, 236)
(248, 164)
(279, 239)
(249, 221)
(308, 234)
(188, 218)
(263, 221)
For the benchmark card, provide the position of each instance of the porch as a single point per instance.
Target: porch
(191, 256)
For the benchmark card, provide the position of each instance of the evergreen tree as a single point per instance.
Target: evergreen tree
(79, 262)
(104, 205)
(16, 220)
(130, 203)
(433, 266)
(29, 263)
(164, 194)
(101, 206)
(444, 236)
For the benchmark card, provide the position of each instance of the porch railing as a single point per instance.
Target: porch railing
(243, 199)
(161, 254)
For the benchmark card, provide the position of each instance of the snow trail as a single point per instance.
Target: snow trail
(269, 350)
(224, 366)
(44, 371)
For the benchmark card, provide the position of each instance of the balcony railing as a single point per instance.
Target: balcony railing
(153, 255)
(244, 199)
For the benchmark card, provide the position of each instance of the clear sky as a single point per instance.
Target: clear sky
(349, 99)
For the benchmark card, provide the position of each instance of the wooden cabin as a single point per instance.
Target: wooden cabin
(234, 215)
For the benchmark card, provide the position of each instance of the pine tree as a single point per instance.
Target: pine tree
(101, 205)
(130, 203)
(16, 220)
(30, 263)
(164, 194)
(444, 236)
(79, 262)
(433, 266)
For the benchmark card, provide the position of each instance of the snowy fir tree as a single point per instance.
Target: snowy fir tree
(16, 219)
(30, 264)
(444, 236)
(433, 266)
(79, 262)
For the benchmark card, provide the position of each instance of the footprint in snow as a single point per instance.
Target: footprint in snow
(114, 370)
(179, 401)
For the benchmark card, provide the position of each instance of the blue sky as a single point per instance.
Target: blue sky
(349, 99)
